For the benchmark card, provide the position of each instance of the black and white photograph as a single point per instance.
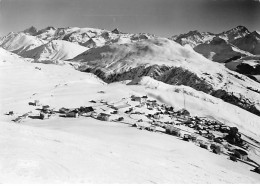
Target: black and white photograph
(129, 92)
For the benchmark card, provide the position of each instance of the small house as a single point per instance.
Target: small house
(64, 110)
(210, 136)
(216, 148)
(135, 98)
(36, 102)
(44, 116)
(233, 158)
(120, 119)
(239, 153)
(45, 107)
(170, 129)
(156, 116)
(183, 112)
(144, 99)
(11, 113)
(187, 137)
(218, 140)
(193, 137)
(72, 114)
(103, 117)
(257, 169)
(86, 109)
(152, 128)
(204, 145)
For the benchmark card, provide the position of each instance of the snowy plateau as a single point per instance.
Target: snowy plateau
(86, 105)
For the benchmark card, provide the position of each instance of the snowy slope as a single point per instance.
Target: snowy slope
(34, 78)
(169, 62)
(218, 50)
(234, 33)
(201, 104)
(20, 42)
(55, 50)
(250, 43)
(227, 45)
(193, 38)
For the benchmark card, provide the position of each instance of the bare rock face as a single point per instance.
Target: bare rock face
(116, 31)
(31, 30)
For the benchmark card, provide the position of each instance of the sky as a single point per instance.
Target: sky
(160, 17)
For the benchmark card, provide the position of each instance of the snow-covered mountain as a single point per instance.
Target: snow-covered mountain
(20, 42)
(193, 38)
(55, 50)
(219, 50)
(166, 61)
(34, 43)
(224, 46)
(235, 33)
(250, 43)
(116, 56)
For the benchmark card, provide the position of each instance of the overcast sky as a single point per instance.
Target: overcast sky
(160, 17)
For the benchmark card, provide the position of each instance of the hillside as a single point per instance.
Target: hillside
(218, 50)
(55, 50)
(19, 43)
(225, 46)
(250, 43)
(166, 61)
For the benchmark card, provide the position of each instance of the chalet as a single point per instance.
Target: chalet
(239, 153)
(142, 99)
(72, 114)
(151, 103)
(169, 109)
(120, 119)
(193, 137)
(217, 149)
(187, 137)
(103, 117)
(156, 116)
(210, 136)
(114, 112)
(64, 110)
(204, 145)
(45, 107)
(218, 140)
(170, 129)
(183, 112)
(233, 158)
(152, 128)
(36, 102)
(86, 109)
(44, 115)
(257, 169)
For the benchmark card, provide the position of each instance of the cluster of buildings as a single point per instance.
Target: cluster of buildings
(208, 134)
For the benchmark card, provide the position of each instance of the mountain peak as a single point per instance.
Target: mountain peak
(31, 30)
(256, 33)
(238, 29)
(116, 31)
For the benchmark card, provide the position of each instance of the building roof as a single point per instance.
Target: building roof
(104, 114)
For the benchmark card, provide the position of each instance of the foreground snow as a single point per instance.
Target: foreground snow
(80, 150)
